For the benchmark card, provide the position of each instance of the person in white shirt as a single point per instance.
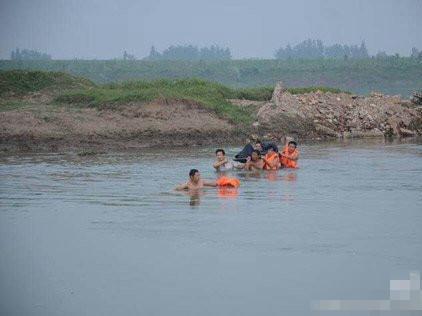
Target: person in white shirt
(222, 163)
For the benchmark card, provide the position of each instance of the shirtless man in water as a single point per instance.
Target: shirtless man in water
(255, 162)
(195, 182)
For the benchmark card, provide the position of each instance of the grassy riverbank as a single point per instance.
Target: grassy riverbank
(52, 110)
(65, 89)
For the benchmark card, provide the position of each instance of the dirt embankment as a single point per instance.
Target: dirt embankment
(43, 125)
(131, 126)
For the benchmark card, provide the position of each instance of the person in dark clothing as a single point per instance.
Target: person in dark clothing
(249, 148)
(264, 146)
(244, 153)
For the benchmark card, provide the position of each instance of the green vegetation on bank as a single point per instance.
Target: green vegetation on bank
(79, 92)
(265, 93)
(19, 82)
(390, 75)
(211, 95)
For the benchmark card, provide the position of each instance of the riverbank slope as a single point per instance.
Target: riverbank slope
(56, 111)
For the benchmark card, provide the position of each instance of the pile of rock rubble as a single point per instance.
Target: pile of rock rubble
(344, 115)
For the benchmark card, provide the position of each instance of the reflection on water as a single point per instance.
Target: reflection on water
(279, 175)
(227, 192)
(290, 176)
(109, 235)
(222, 193)
(195, 197)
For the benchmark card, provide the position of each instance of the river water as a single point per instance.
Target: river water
(107, 235)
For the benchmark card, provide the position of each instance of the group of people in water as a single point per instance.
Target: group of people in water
(260, 156)
(255, 155)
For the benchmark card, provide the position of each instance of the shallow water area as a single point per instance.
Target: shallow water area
(107, 234)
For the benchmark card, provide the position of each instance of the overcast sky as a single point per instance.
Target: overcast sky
(102, 29)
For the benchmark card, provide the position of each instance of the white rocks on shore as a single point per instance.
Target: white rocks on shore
(344, 115)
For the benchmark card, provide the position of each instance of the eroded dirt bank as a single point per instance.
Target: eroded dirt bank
(45, 126)
(131, 126)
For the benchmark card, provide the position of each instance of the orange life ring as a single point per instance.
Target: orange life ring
(228, 182)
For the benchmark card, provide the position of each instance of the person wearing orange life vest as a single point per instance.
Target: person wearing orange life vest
(271, 159)
(290, 155)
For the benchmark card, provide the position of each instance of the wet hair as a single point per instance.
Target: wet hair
(272, 147)
(257, 152)
(192, 172)
(293, 143)
(220, 150)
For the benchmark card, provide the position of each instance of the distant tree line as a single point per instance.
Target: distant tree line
(27, 54)
(308, 49)
(315, 49)
(414, 54)
(190, 52)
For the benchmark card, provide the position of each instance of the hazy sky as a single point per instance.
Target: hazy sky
(104, 28)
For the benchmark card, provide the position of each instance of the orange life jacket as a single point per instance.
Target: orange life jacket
(286, 162)
(273, 161)
(228, 182)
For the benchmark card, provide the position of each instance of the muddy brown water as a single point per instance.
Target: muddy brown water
(107, 235)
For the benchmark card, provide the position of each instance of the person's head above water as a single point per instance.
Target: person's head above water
(258, 145)
(252, 138)
(271, 149)
(220, 153)
(194, 175)
(292, 146)
(256, 154)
